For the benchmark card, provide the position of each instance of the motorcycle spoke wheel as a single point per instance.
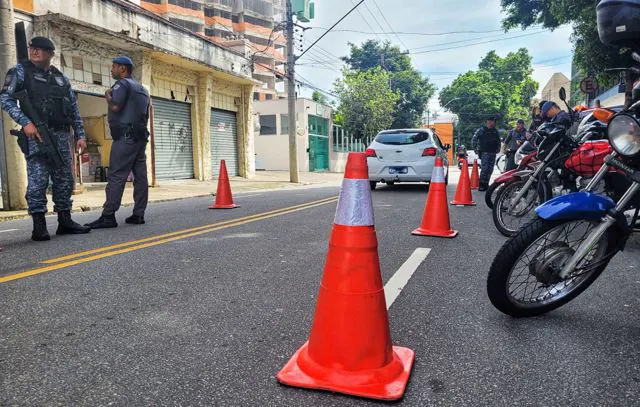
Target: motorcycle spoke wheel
(550, 253)
(510, 220)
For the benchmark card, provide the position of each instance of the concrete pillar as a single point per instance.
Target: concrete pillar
(202, 149)
(246, 136)
(15, 169)
(142, 73)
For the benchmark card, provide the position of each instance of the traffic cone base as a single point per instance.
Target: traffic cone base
(434, 233)
(224, 199)
(386, 383)
(463, 192)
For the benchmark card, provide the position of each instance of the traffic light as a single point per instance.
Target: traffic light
(303, 9)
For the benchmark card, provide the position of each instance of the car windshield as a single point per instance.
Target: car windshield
(397, 139)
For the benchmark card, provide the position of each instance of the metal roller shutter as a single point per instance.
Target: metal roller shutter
(224, 141)
(173, 139)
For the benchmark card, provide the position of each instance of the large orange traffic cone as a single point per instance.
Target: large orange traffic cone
(435, 221)
(349, 350)
(463, 192)
(224, 199)
(475, 176)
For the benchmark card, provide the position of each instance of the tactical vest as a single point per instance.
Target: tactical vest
(49, 95)
(489, 140)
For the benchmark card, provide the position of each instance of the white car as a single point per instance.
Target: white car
(471, 156)
(405, 155)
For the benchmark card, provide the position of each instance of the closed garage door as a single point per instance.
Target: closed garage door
(224, 145)
(173, 139)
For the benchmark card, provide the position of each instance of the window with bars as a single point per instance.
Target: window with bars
(268, 125)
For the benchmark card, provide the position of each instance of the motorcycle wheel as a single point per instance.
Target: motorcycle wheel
(492, 193)
(510, 223)
(523, 279)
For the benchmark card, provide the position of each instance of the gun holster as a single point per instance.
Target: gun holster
(23, 141)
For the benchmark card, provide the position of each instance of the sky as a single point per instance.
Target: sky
(551, 51)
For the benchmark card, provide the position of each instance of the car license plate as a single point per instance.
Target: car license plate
(398, 170)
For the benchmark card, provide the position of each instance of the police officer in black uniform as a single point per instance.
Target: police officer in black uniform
(55, 102)
(486, 142)
(128, 104)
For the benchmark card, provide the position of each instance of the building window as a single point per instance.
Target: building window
(256, 96)
(187, 4)
(235, 18)
(258, 22)
(77, 63)
(268, 125)
(97, 79)
(209, 32)
(195, 27)
(284, 124)
(152, 1)
(269, 96)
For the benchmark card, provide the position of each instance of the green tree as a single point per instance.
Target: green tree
(501, 86)
(366, 101)
(590, 55)
(319, 97)
(415, 90)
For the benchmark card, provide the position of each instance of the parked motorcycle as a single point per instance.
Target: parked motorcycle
(524, 162)
(553, 174)
(559, 254)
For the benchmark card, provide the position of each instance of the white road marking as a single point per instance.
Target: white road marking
(8, 230)
(248, 195)
(399, 280)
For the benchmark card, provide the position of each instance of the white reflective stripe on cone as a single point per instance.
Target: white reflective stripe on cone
(438, 175)
(354, 206)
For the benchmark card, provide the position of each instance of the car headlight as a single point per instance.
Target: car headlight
(624, 135)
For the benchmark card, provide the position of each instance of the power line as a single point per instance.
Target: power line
(367, 22)
(376, 20)
(375, 3)
(477, 43)
(331, 28)
(502, 36)
(409, 33)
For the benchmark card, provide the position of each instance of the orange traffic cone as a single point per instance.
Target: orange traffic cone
(475, 176)
(435, 221)
(349, 350)
(463, 192)
(224, 200)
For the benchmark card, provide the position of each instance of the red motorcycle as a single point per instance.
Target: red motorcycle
(524, 162)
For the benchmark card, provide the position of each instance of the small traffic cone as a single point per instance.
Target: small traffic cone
(349, 350)
(475, 176)
(463, 192)
(224, 199)
(435, 221)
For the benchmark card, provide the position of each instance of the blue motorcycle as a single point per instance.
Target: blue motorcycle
(554, 258)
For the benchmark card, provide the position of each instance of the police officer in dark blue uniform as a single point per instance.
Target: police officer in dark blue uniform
(551, 111)
(486, 142)
(128, 104)
(51, 95)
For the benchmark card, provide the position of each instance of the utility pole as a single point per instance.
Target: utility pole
(12, 160)
(291, 79)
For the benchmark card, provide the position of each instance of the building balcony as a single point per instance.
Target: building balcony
(218, 22)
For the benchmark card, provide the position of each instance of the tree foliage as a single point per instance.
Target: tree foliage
(366, 101)
(319, 97)
(501, 86)
(590, 56)
(415, 90)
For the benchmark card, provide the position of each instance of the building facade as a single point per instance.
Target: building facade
(551, 90)
(313, 132)
(251, 27)
(201, 92)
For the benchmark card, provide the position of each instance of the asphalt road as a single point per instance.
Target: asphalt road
(208, 317)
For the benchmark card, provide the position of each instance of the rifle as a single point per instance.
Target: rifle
(48, 148)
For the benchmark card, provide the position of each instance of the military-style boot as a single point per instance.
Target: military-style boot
(104, 222)
(66, 226)
(40, 232)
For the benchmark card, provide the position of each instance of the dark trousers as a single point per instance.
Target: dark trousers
(488, 162)
(127, 157)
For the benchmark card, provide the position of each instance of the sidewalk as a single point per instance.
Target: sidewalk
(170, 190)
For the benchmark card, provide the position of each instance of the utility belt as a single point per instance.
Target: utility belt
(129, 133)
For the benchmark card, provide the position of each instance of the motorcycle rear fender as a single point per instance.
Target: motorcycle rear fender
(578, 205)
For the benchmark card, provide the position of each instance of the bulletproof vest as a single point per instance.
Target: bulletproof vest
(49, 94)
(489, 140)
(136, 107)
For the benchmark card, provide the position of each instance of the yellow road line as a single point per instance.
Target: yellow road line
(212, 228)
(179, 232)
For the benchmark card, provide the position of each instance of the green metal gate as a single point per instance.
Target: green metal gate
(318, 143)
